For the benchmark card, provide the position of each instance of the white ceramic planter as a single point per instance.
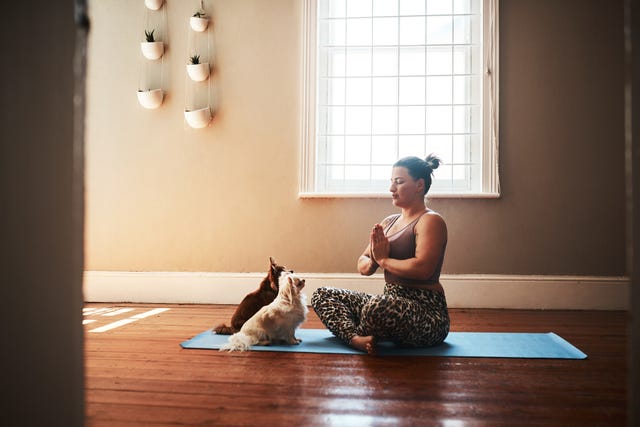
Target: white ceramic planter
(150, 99)
(198, 118)
(198, 24)
(198, 72)
(153, 4)
(152, 50)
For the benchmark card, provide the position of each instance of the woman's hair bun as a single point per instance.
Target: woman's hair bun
(433, 161)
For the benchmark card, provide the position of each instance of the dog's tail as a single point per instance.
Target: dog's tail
(223, 329)
(238, 342)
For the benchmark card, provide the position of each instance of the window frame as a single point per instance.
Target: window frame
(490, 111)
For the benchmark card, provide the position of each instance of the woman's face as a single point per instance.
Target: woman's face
(404, 189)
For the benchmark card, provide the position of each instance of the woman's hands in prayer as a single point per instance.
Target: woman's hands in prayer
(379, 244)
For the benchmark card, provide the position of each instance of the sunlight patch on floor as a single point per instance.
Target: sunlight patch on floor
(97, 314)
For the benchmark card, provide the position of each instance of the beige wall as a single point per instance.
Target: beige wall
(162, 197)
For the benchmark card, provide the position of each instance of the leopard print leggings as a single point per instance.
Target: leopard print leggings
(408, 317)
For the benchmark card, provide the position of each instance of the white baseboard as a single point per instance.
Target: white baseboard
(462, 291)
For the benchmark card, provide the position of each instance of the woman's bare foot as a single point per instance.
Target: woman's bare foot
(361, 343)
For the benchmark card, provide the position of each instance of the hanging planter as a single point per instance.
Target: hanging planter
(198, 118)
(197, 71)
(199, 21)
(151, 98)
(151, 49)
(153, 4)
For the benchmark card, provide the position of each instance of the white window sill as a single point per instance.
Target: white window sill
(309, 195)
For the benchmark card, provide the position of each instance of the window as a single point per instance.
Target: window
(384, 79)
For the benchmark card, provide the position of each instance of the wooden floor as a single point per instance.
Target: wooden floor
(137, 375)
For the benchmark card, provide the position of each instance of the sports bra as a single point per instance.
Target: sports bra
(403, 246)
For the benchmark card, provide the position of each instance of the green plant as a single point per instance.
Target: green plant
(194, 60)
(200, 14)
(149, 36)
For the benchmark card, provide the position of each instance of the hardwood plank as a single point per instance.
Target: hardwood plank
(138, 375)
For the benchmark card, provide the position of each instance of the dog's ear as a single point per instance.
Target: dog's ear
(273, 272)
(286, 289)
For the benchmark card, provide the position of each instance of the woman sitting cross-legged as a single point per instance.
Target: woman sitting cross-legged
(409, 247)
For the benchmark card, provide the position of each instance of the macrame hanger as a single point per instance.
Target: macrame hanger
(209, 57)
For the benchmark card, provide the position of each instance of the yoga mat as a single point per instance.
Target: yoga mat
(457, 344)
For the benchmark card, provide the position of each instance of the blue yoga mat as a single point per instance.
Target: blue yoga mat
(457, 344)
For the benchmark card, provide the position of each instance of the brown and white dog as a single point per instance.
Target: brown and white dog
(265, 294)
(277, 322)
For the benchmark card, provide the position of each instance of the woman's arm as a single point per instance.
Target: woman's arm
(431, 236)
(366, 264)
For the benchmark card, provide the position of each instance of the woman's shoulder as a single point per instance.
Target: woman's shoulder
(432, 219)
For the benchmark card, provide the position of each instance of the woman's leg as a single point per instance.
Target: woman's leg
(406, 317)
(339, 310)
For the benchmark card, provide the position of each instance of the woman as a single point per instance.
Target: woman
(410, 247)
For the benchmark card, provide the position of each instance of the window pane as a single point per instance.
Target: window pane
(460, 149)
(385, 91)
(357, 173)
(335, 149)
(411, 120)
(466, 90)
(462, 29)
(384, 120)
(332, 32)
(439, 30)
(462, 119)
(332, 62)
(357, 150)
(439, 120)
(462, 60)
(385, 7)
(461, 6)
(385, 31)
(412, 31)
(411, 7)
(335, 91)
(439, 90)
(336, 172)
(443, 173)
(381, 173)
(412, 91)
(385, 61)
(335, 120)
(441, 145)
(439, 7)
(476, 30)
(439, 60)
(358, 32)
(460, 172)
(411, 145)
(332, 8)
(358, 62)
(412, 61)
(358, 91)
(383, 150)
(359, 8)
(357, 120)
